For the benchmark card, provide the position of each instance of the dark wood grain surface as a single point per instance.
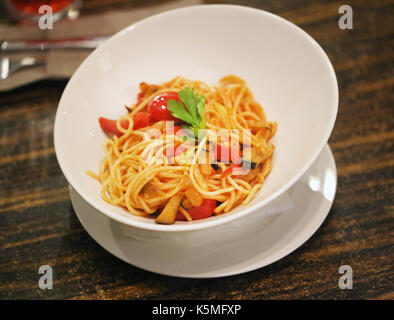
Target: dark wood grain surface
(38, 225)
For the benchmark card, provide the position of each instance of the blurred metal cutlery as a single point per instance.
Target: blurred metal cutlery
(38, 45)
(9, 66)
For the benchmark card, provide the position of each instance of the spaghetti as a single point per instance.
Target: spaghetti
(162, 176)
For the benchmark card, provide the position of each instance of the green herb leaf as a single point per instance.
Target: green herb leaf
(193, 114)
(187, 97)
(201, 110)
(178, 111)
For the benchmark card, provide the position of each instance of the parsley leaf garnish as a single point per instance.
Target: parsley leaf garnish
(193, 114)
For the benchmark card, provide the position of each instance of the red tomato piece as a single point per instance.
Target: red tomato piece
(201, 212)
(109, 126)
(141, 119)
(230, 170)
(157, 108)
(227, 154)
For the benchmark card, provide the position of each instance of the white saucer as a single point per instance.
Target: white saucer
(312, 195)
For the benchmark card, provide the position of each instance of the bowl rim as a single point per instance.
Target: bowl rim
(225, 218)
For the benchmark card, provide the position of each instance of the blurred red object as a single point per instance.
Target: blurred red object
(32, 6)
(29, 9)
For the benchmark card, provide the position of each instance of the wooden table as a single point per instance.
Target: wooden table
(38, 225)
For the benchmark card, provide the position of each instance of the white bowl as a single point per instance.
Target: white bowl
(288, 72)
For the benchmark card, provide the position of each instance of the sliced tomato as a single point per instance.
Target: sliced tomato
(109, 126)
(141, 119)
(227, 154)
(201, 212)
(231, 170)
(157, 108)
